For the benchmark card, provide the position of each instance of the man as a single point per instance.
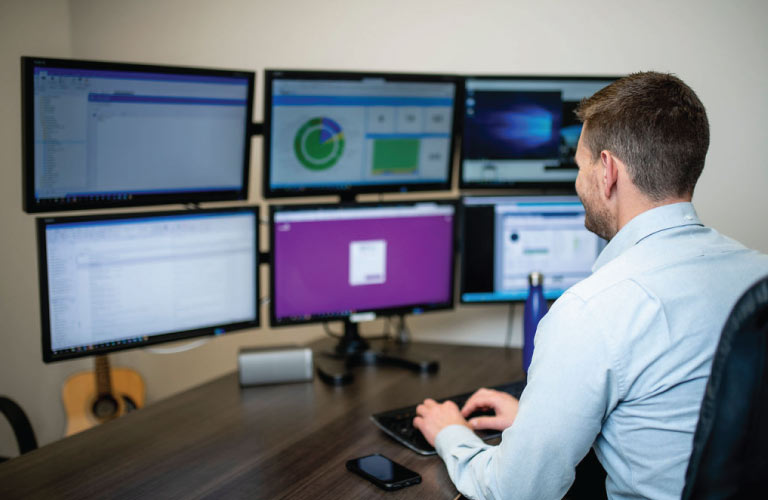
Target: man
(623, 357)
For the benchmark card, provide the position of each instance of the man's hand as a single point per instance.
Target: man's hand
(504, 405)
(432, 417)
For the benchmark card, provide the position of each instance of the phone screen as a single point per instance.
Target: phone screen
(383, 471)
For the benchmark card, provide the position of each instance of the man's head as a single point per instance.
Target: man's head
(656, 125)
(656, 128)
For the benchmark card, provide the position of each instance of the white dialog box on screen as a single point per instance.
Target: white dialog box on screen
(367, 262)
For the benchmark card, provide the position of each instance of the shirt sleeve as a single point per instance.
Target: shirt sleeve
(572, 387)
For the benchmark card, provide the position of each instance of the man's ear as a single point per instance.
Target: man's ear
(610, 172)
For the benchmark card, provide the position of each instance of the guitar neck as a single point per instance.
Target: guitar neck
(103, 378)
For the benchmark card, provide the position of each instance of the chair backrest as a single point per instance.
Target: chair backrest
(22, 429)
(730, 446)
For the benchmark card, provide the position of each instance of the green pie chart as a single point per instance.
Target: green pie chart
(319, 143)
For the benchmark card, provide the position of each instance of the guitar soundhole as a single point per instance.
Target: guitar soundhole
(105, 407)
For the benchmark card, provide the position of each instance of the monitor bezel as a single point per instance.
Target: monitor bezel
(349, 191)
(44, 221)
(30, 205)
(553, 187)
(380, 312)
(462, 240)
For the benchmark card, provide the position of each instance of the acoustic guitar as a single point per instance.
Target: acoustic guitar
(91, 398)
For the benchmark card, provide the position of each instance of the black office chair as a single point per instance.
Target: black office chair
(22, 429)
(730, 446)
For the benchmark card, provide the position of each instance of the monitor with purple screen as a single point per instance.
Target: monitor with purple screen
(334, 262)
(354, 262)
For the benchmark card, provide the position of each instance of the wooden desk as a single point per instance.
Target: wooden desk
(280, 441)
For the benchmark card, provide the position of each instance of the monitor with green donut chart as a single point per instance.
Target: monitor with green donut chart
(332, 132)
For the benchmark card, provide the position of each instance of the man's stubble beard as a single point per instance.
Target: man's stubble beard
(597, 219)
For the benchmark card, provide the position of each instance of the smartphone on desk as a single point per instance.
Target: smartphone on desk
(383, 472)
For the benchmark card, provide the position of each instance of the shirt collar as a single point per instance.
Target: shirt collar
(647, 223)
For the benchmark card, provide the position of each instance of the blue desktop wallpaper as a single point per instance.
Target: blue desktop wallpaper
(513, 125)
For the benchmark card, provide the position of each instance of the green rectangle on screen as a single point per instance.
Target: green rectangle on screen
(395, 155)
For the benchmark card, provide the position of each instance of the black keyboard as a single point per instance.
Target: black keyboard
(398, 423)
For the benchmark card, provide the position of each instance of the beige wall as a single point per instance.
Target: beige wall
(32, 27)
(717, 47)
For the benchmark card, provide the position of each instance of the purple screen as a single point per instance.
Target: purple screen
(317, 262)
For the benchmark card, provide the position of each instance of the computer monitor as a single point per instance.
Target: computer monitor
(506, 238)
(522, 131)
(348, 133)
(112, 282)
(105, 134)
(354, 262)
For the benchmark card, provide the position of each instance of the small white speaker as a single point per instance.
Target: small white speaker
(274, 365)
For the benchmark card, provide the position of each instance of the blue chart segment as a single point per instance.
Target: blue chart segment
(319, 143)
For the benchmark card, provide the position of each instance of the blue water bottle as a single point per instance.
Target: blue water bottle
(535, 309)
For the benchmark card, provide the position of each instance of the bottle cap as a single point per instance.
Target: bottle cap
(535, 278)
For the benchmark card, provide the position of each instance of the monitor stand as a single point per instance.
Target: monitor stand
(334, 367)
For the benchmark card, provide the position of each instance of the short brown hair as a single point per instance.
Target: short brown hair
(656, 125)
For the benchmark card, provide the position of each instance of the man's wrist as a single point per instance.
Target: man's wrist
(451, 435)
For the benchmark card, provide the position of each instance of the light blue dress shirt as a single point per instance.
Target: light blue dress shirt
(621, 361)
